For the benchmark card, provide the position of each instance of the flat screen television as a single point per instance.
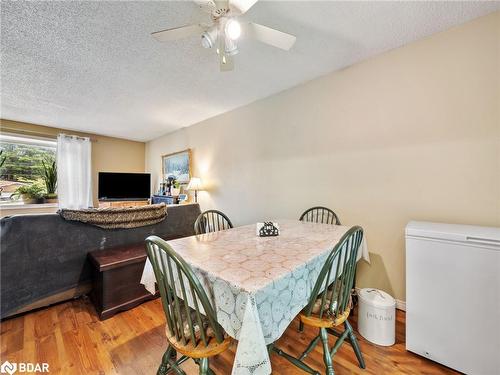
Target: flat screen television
(124, 186)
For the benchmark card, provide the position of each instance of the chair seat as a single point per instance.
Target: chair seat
(325, 321)
(197, 349)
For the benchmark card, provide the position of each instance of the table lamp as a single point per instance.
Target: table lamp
(194, 184)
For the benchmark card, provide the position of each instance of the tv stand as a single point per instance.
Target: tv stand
(122, 203)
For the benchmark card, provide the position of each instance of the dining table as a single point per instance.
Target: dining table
(257, 285)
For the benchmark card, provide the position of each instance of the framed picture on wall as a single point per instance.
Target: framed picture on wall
(178, 165)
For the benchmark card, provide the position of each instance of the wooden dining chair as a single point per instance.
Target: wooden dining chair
(191, 331)
(211, 221)
(329, 308)
(321, 215)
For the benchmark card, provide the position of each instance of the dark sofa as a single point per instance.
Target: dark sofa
(43, 258)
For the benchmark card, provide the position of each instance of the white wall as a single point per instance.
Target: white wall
(411, 134)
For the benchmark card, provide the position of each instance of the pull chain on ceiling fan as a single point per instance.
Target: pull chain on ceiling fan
(225, 30)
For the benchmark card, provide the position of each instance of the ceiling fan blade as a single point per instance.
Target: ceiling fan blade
(178, 33)
(239, 7)
(226, 62)
(270, 36)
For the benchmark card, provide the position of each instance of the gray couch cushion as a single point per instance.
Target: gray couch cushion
(42, 255)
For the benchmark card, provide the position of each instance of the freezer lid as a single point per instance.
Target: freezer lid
(376, 297)
(489, 236)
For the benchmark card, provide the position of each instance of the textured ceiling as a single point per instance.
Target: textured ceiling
(93, 66)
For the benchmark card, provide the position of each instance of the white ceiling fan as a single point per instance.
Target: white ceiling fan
(225, 30)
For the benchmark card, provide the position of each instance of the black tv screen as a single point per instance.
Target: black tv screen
(124, 185)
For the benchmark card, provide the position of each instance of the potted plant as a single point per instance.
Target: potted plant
(33, 193)
(50, 180)
(176, 188)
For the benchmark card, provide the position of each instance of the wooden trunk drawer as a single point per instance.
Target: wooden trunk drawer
(116, 280)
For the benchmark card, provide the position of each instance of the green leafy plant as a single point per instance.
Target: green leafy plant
(33, 191)
(23, 162)
(49, 176)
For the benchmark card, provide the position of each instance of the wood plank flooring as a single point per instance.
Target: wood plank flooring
(70, 337)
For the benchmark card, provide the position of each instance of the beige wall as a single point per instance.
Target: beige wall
(108, 154)
(413, 134)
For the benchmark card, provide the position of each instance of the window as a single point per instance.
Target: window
(25, 169)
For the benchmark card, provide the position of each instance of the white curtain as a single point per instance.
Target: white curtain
(74, 175)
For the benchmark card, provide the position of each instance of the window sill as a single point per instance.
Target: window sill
(22, 206)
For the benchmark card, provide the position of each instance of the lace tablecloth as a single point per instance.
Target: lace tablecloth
(257, 284)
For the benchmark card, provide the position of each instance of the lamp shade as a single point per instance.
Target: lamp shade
(194, 184)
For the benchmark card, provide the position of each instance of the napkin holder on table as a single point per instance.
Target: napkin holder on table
(268, 229)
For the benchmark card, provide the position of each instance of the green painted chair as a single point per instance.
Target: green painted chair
(321, 215)
(329, 309)
(192, 332)
(211, 221)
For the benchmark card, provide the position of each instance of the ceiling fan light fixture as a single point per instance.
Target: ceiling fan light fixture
(206, 41)
(233, 29)
(230, 47)
(232, 52)
(224, 30)
(209, 37)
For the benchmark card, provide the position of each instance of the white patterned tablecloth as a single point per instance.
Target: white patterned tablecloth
(257, 284)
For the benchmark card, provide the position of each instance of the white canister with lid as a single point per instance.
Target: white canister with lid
(377, 316)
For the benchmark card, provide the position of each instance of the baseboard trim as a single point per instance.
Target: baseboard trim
(400, 304)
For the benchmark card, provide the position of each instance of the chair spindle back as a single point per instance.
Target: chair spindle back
(337, 277)
(178, 284)
(211, 221)
(321, 215)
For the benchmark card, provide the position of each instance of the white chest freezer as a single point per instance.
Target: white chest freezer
(453, 295)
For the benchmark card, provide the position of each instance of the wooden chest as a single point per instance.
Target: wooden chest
(116, 279)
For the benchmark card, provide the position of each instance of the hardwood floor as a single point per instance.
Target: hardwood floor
(70, 337)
